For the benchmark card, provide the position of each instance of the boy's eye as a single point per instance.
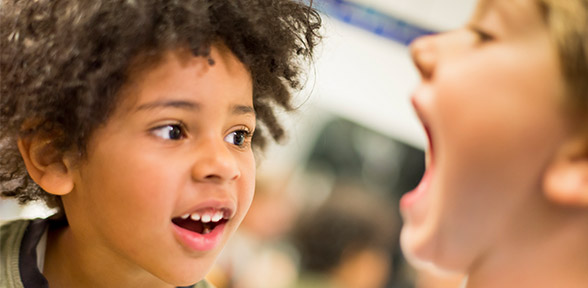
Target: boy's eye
(482, 35)
(169, 132)
(239, 137)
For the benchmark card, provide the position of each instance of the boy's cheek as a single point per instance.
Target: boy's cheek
(249, 192)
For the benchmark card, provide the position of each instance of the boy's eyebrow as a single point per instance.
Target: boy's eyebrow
(243, 109)
(188, 105)
(169, 103)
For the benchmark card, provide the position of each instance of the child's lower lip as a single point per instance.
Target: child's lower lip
(413, 196)
(197, 241)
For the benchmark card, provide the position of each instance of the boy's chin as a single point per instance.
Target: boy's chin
(187, 277)
(423, 254)
(185, 281)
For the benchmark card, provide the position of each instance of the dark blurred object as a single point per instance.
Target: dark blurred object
(355, 153)
(350, 153)
(346, 242)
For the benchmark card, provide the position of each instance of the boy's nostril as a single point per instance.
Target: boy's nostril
(215, 170)
(212, 177)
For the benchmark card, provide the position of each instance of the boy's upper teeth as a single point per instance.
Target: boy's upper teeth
(217, 216)
(205, 217)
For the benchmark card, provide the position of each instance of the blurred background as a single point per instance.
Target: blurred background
(325, 212)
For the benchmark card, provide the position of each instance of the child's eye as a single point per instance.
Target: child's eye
(239, 137)
(482, 35)
(169, 132)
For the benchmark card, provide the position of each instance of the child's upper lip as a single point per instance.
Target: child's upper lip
(226, 206)
(424, 120)
(419, 111)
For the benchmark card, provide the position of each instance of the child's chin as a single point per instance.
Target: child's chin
(421, 252)
(414, 250)
(186, 281)
(187, 277)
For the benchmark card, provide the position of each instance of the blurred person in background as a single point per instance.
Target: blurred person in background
(347, 242)
(504, 103)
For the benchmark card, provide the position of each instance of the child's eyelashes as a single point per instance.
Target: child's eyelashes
(482, 35)
(170, 131)
(239, 138)
(177, 131)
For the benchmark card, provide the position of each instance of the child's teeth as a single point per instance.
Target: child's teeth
(217, 216)
(206, 217)
(195, 216)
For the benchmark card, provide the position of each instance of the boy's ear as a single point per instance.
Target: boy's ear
(46, 165)
(566, 179)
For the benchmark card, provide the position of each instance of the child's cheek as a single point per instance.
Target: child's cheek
(247, 185)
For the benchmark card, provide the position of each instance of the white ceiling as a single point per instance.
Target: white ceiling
(434, 14)
(368, 78)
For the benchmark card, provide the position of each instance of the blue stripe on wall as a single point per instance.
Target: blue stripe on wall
(371, 20)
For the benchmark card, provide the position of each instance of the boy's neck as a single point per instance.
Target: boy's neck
(72, 262)
(548, 253)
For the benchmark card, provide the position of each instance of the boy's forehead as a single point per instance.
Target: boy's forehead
(501, 6)
(512, 13)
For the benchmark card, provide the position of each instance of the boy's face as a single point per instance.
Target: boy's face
(491, 103)
(178, 145)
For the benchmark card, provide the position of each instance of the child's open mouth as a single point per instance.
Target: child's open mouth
(201, 230)
(413, 196)
(201, 222)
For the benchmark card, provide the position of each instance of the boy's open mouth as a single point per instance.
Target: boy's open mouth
(202, 222)
(413, 196)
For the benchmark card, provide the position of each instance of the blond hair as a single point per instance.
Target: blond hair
(568, 25)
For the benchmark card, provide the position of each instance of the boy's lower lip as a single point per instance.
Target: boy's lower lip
(199, 242)
(413, 196)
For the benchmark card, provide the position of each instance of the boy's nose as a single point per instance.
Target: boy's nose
(215, 163)
(423, 54)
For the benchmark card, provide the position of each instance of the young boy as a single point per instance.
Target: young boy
(135, 119)
(504, 102)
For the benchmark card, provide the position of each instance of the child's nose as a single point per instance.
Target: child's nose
(215, 163)
(423, 54)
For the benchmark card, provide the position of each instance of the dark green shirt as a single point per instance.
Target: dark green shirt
(18, 255)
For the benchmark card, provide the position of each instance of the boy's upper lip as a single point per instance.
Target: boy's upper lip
(227, 206)
(416, 104)
(419, 110)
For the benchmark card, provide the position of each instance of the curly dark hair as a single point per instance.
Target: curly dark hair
(63, 62)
